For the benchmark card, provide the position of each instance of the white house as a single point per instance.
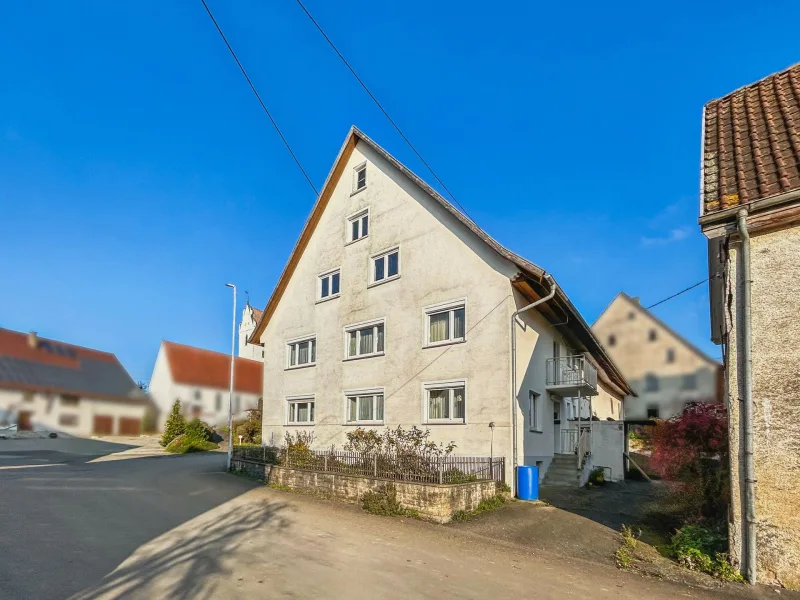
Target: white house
(47, 385)
(664, 368)
(250, 318)
(396, 309)
(200, 379)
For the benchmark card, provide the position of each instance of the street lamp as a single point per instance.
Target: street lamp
(230, 398)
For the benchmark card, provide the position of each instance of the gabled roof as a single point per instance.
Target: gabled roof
(530, 281)
(751, 143)
(636, 304)
(32, 363)
(205, 368)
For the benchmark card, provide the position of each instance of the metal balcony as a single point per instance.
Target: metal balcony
(571, 376)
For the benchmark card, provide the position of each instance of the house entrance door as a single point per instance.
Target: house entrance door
(556, 425)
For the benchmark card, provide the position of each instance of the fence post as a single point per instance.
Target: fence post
(375, 464)
(265, 453)
(440, 470)
(325, 468)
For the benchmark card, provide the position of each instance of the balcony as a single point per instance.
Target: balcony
(571, 376)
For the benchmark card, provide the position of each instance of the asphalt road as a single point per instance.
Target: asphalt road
(66, 522)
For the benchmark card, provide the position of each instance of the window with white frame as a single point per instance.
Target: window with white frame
(364, 339)
(329, 285)
(446, 402)
(360, 177)
(358, 226)
(364, 407)
(386, 266)
(302, 352)
(534, 411)
(300, 410)
(445, 323)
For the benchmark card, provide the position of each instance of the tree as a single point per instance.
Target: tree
(176, 424)
(250, 430)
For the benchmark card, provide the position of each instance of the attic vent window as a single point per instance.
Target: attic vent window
(360, 180)
(652, 335)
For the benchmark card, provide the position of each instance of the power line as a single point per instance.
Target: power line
(380, 106)
(691, 287)
(264, 106)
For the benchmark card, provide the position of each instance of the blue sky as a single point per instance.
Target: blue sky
(138, 174)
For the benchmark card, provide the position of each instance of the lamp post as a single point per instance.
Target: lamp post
(230, 398)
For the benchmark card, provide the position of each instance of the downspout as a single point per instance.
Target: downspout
(744, 321)
(514, 398)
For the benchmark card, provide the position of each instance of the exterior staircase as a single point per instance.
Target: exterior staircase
(563, 470)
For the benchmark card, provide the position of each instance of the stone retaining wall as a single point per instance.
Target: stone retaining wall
(432, 501)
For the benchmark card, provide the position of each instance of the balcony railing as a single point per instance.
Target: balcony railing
(571, 376)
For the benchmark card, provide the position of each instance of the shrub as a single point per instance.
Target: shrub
(457, 476)
(702, 549)
(250, 428)
(597, 476)
(484, 505)
(184, 444)
(200, 431)
(383, 501)
(175, 426)
(624, 555)
(296, 450)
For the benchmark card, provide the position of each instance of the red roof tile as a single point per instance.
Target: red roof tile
(751, 142)
(206, 368)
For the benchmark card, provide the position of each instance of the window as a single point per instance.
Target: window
(69, 400)
(364, 406)
(670, 355)
(360, 177)
(301, 353)
(652, 412)
(631, 315)
(358, 226)
(300, 410)
(218, 402)
(689, 382)
(328, 285)
(652, 335)
(385, 266)
(27, 396)
(364, 339)
(445, 323)
(68, 420)
(445, 402)
(236, 403)
(650, 383)
(612, 340)
(535, 411)
(197, 394)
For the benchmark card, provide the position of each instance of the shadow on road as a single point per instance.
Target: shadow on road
(183, 563)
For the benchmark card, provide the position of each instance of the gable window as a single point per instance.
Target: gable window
(534, 411)
(670, 355)
(385, 266)
(300, 410)
(359, 177)
(445, 402)
(364, 339)
(650, 383)
(328, 286)
(69, 400)
(445, 323)
(652, 412)
(301, 353)
(612, 340)
(652, 335)
(358, 226)
(364, 407)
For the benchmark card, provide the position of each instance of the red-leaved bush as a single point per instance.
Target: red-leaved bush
(690, 451)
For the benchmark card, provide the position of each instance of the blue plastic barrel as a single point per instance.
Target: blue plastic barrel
(527, 483)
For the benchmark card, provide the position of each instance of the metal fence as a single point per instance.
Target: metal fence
(423, 469)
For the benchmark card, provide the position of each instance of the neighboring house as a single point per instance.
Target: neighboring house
(666, 370)
(395, 309)
(200, 379)
(750, 213)
(250, 318)
(47, 385)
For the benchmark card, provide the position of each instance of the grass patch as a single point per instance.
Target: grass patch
(624, 555)
(183, 445)
(701, 548)
(383, 501)
(485, 505)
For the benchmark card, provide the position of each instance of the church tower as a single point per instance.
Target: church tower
(250, 318)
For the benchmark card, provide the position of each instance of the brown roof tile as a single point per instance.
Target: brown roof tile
(206, 368)
(751, 147)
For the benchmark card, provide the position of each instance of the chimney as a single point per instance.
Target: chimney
(636, 299)
(33, 340)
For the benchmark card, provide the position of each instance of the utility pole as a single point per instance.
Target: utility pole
(230, 397)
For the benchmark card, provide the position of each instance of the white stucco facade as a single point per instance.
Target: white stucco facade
(441, 262)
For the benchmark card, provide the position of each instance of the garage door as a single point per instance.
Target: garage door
(129, 426)
(103, 425)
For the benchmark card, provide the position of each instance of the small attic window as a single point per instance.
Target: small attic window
(360, 178)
